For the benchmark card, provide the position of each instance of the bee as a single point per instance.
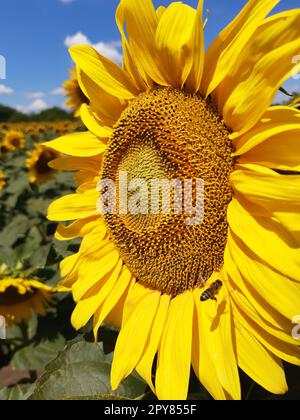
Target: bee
(212, 292)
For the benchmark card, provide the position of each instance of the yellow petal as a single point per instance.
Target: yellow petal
(141, 23)
(103, 72)
(112, 300)
(144, 367)
(216, 330)
(91, 123)
(71, 163)
(275, 247)
(288, 352)
(160, 11)
(128, 63)
(201, 357)
(106, 106)
(175, 350)
(72, 207)
(116, 315)
(91, 277)
(277, 194)
(88, 186)
(255, 295)
(77, 229)
(92, 248)
(263, 67)
(259, 363)
(277, 290)
(275, 122)
(262, 187)
(87, 306)
(174, 42)
(77, 144)
(87, 177)
(141, 310)
(224, 53)
(279, 152)
(193, 82)
(67, 264)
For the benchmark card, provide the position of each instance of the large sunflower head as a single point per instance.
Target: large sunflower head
(2, 180)
(13, 140)
(215, 283)
(19, 297)
(38, 163)
(74, 93)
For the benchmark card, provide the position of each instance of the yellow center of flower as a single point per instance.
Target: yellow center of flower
(169, 135)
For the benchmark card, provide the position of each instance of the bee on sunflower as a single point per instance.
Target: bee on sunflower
(176, 111)
(13, 140)
(74, 93)
(38, 163)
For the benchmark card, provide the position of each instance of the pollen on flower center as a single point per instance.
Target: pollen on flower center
(170, 134)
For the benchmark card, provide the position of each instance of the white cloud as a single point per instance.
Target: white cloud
(58, 91)
(110, 50)
(5, 90)
(35, 95)
(66, 1)
(77, 39)
(36, 106)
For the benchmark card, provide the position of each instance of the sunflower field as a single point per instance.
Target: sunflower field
(105, 297)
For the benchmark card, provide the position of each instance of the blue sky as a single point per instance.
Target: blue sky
(34, 34)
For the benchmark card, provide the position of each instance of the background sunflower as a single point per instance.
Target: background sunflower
(19, 297)
(38, 164)
(75, 95)
(13, 140)
(2, 180)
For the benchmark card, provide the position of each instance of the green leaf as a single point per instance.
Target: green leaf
(16, 229)
(7, 256)
(40, 257)
(37, 355)
(31, 245)
(82, 371)
(16, 393)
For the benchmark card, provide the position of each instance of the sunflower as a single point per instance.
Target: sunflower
(75, 95)
(13, 140)
(38, 163)
(175, 111)
(2, 180)
(19, 297)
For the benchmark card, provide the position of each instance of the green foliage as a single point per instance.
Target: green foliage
(10, 115)
(82, 371)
